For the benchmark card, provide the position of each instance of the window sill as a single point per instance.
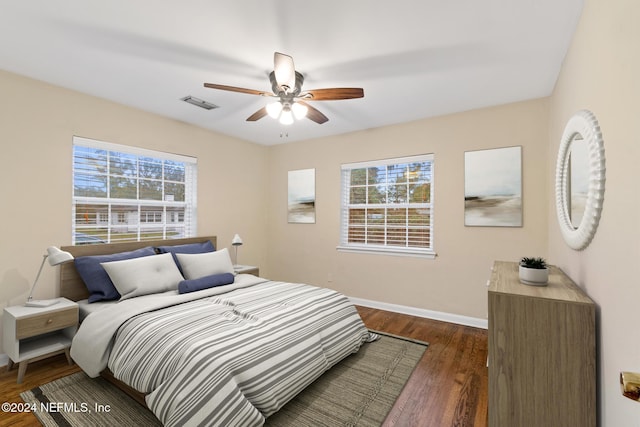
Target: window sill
(388, 251)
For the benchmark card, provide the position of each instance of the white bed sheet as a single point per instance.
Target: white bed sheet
(87, 308)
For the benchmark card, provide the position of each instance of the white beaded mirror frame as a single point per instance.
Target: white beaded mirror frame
(582, 125)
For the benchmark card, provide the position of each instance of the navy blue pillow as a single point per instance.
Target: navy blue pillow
(189, 248)
(95, 277)
(205, 282)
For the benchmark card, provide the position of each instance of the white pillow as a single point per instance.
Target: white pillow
(142, 276)
(195, 266)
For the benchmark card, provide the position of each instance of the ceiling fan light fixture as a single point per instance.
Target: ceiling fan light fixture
(286, 117)
(284, 70)
(274, 109)
(286, 84)
(299, 110)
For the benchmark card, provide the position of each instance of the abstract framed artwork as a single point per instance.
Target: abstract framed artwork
(302, 196)
(493, 187)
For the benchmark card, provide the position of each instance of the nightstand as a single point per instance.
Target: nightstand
(35, 333)
(246, 269)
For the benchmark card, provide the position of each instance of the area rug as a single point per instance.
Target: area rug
(358, 391)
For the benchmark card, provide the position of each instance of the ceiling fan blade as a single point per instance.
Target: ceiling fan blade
(238, 89)
(313, 114)
(333, 94)
(257, 115)
(284, 71)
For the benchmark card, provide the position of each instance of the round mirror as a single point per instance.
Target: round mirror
(580, 177)
(578, 180)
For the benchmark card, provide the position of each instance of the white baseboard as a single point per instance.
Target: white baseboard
(421, 312)
(4, 359)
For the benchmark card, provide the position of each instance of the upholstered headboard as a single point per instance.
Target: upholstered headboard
(71, 284)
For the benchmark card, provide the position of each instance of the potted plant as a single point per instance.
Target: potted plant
(533, 271)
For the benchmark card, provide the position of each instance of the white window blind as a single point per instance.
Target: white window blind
(123, 193)
(387, 206)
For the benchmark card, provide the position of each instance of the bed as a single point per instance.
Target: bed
(228, 354)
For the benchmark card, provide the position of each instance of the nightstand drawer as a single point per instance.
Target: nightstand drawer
(46, 322)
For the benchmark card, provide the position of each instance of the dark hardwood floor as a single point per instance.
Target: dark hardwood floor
(449, 387)
(38, 373)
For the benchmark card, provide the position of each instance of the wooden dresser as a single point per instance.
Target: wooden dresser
(542, 351)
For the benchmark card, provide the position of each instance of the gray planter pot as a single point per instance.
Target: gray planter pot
(534, 276)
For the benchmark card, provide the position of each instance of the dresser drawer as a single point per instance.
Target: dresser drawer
(46, 322)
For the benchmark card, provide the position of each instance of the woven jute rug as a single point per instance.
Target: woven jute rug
(358, 391)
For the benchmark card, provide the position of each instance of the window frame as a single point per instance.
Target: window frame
(345, 206)
(111, 220)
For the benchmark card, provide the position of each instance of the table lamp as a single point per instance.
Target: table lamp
(55, 257)
(237, 241)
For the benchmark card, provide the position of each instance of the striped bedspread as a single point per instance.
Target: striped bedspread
(235, 358)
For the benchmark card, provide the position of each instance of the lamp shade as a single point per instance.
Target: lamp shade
(299, 110)
(286, 117)
(57, 256)
(237, 241)
(274, 109)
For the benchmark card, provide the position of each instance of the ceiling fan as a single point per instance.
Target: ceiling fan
(286, 84)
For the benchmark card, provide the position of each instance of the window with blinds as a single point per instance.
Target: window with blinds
(387, 206)
(123, 193)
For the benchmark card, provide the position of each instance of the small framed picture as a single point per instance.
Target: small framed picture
(493, 187)
(302, 197)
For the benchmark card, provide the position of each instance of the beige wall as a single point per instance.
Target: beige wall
(601, 73)
(37, 123)
(455, 281)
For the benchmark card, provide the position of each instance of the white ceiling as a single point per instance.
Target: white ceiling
(414, 58)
